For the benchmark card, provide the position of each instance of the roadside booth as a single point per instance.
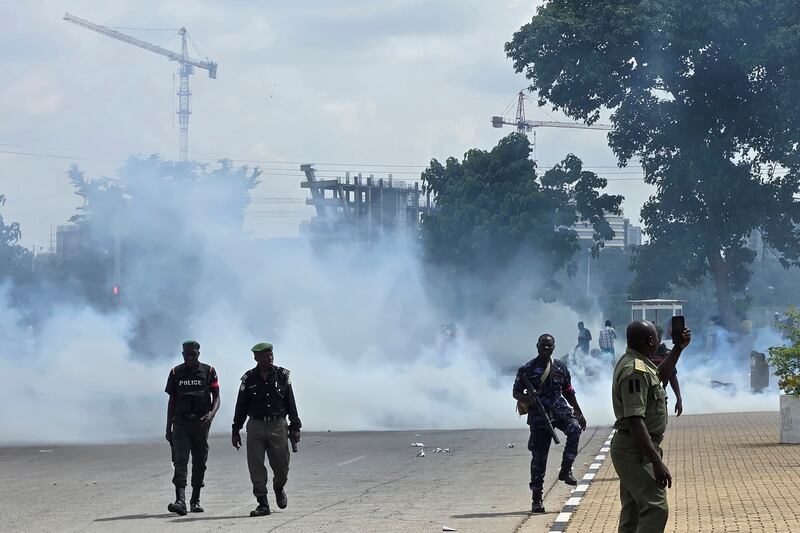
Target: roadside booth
(655, 310)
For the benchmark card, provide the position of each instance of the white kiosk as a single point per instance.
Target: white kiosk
(650, 309)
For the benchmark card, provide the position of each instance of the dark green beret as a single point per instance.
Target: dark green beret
(262, 347)
(191, 344)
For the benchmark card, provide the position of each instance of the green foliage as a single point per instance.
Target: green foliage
(14, 259)
(490, 209)
(165, 214)
(786, 359)
(704, 95)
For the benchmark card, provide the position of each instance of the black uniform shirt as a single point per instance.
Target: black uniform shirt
(261, 398)
(191, 388)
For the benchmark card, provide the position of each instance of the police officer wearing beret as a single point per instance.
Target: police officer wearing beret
(553, 383)
(640, 408)
(266, 396)
(193, 390)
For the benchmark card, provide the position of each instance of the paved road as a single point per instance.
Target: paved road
(368, 481)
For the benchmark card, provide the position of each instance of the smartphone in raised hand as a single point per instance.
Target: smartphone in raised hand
(677, 326)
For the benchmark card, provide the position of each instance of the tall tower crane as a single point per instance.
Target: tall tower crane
(185, 69)
(523, 125)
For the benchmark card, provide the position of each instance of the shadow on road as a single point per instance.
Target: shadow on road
(491, 515)
(134, 517)
(204, 518)
(168, 515)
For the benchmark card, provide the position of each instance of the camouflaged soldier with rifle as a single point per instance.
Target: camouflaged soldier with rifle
(543, 390)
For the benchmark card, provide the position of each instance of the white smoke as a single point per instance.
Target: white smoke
(360, 329)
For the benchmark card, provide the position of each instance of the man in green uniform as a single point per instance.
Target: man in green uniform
(640, 409)
(266, 396)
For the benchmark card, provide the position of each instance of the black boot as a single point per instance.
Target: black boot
(537, 506)
(179, 506)
(263, 507)
(566, 476)
(280, 497)
(194, 503)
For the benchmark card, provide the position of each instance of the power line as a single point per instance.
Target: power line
(355, 168)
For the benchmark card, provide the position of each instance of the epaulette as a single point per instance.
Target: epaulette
(286, 373)
(639, 366)
(246, 375)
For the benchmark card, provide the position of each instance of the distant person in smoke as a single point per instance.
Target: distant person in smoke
(553, 386)
(606, 340)
(584, 338)
(193, 390)
(657, 358)
(266, 397)
(640, 410)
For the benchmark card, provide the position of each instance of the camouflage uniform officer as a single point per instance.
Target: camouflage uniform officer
(266, 396)
(640, 409)
(553, 382)
(193, 390)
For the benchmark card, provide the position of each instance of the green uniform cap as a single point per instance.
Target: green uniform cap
(191, 344)
(262, 347)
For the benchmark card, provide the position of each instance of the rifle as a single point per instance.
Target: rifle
(537, 403)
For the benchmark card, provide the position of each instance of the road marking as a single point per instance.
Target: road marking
(561, 521)
(353, 460)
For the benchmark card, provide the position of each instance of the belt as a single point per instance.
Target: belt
(656, 438)
(268, 418)
(189, 416)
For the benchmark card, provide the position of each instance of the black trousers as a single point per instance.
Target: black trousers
(189, 437)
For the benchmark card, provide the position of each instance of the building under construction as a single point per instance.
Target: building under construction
(362, 209)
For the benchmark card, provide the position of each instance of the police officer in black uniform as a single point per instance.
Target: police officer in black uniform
(193, 390)
(266, 396)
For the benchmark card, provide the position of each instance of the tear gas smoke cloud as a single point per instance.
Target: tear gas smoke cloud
(359, 329)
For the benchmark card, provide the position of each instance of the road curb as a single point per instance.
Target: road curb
(561, 521)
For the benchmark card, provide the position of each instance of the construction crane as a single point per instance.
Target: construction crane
(523, 125)
(185, 69)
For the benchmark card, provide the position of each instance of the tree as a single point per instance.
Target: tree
(169, 226)
(704, 94)
(491, 209)
(14, 258)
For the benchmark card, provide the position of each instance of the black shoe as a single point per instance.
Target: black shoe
(262, 509)
(280, 498)
(537, 506)
(194, 503)
(179, 507)
(567, 477)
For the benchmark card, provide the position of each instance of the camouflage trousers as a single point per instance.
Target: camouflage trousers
(539, 446)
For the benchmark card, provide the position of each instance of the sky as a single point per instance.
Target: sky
(371, 87)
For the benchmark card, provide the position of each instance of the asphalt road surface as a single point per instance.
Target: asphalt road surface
(360, 481)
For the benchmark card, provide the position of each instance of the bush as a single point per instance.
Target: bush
(786, 359)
